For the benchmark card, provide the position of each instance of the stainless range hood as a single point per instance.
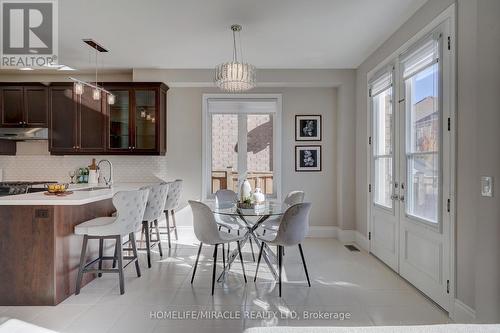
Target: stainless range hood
(24, 134)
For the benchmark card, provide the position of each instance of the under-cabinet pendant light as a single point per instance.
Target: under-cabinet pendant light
(79, 85)
(235, 76)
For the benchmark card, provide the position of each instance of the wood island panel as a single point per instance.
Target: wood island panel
(39, 253)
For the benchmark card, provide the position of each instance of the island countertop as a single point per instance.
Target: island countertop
(80, 196)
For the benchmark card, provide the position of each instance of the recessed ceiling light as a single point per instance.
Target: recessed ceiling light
(25, 69)
(65, 68)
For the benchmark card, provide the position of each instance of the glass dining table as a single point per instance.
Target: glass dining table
(252, 218)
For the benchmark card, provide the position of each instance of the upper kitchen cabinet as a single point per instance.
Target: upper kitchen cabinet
(23, 105)
(137, 119)
(77, 122)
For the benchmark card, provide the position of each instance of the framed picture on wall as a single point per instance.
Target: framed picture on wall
(308, 128)
(307, 158)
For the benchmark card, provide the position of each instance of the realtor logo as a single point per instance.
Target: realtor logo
(29, 33)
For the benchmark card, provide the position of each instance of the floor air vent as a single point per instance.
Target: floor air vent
(352, 248)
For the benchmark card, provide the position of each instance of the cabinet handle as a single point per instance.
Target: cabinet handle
(20, 123)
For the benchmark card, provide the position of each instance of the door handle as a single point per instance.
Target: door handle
(402, 198)
(394, 197)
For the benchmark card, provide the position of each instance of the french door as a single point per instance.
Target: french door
(411, 165)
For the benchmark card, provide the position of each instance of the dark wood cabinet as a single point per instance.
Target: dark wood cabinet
(77, 122)
(137, 119)
(23, 105)
(63, 118)
(134, 125)
(7, 147)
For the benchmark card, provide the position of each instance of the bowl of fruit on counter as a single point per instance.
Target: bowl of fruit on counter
(57, 189)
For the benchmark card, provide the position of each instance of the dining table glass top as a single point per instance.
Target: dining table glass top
(267, 208)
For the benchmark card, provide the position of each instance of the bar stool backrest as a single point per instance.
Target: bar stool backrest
(130, 207)
(174, 194)
(156, 201)
(294, 225)
(205, 227)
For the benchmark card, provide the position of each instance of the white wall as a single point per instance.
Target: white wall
(477, 224)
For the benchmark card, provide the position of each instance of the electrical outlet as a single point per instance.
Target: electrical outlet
(486, 186)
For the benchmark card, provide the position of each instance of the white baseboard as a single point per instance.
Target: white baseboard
(362, 241)
(322, 232)
(462, 313)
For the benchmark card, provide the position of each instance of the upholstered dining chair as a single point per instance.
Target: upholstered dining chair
(154, 210)
(228, 198)
(130, 207)
(171, 204)
(207, 232)
(292, 198)
(292, 230)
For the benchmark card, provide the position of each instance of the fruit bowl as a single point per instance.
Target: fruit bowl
(56, 188)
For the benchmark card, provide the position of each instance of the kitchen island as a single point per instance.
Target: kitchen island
(39, 254)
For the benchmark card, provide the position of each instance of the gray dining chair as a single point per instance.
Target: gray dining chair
(206, 230)
(292, 198)
(227, 199)
(292, 230)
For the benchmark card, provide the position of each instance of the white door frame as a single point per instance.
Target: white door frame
(207, 142)
(448, 13)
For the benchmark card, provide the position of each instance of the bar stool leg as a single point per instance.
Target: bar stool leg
(223, 256)
(120, 264)
(101, 245)
(148, 241)
(168, 228)
(114, 257)
(134, 251)
(174, 224)
(251, 247)
(158, 237)
(82, 265)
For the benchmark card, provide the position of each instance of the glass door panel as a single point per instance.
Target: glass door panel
(224, 152)
(383, 148)
(423, 144)
(145, 119)
(119, 120)
(260, 152)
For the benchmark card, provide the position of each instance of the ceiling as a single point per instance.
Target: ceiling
(195, 33)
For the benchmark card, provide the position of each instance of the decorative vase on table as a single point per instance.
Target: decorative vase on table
(258, 196)
(245, 190)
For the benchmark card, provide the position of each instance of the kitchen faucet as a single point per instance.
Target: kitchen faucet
(109, 181)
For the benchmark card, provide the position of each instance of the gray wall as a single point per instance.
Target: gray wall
(185, 144)
(478, 83)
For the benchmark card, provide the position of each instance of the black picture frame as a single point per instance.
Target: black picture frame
(314, 156)
(301, 123)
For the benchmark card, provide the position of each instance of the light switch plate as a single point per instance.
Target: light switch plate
(486, 186)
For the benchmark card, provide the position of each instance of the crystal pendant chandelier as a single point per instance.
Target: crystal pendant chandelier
(235, 76)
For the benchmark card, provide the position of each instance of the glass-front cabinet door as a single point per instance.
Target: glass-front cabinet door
(145, 118)
(119, 121)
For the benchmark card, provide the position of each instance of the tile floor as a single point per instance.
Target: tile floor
(344, 283)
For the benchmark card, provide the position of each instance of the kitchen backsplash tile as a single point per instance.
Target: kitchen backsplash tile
(34, 163)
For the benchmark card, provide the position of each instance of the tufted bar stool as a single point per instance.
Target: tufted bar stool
(172, 203)
(154, 210)
(130, 207)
